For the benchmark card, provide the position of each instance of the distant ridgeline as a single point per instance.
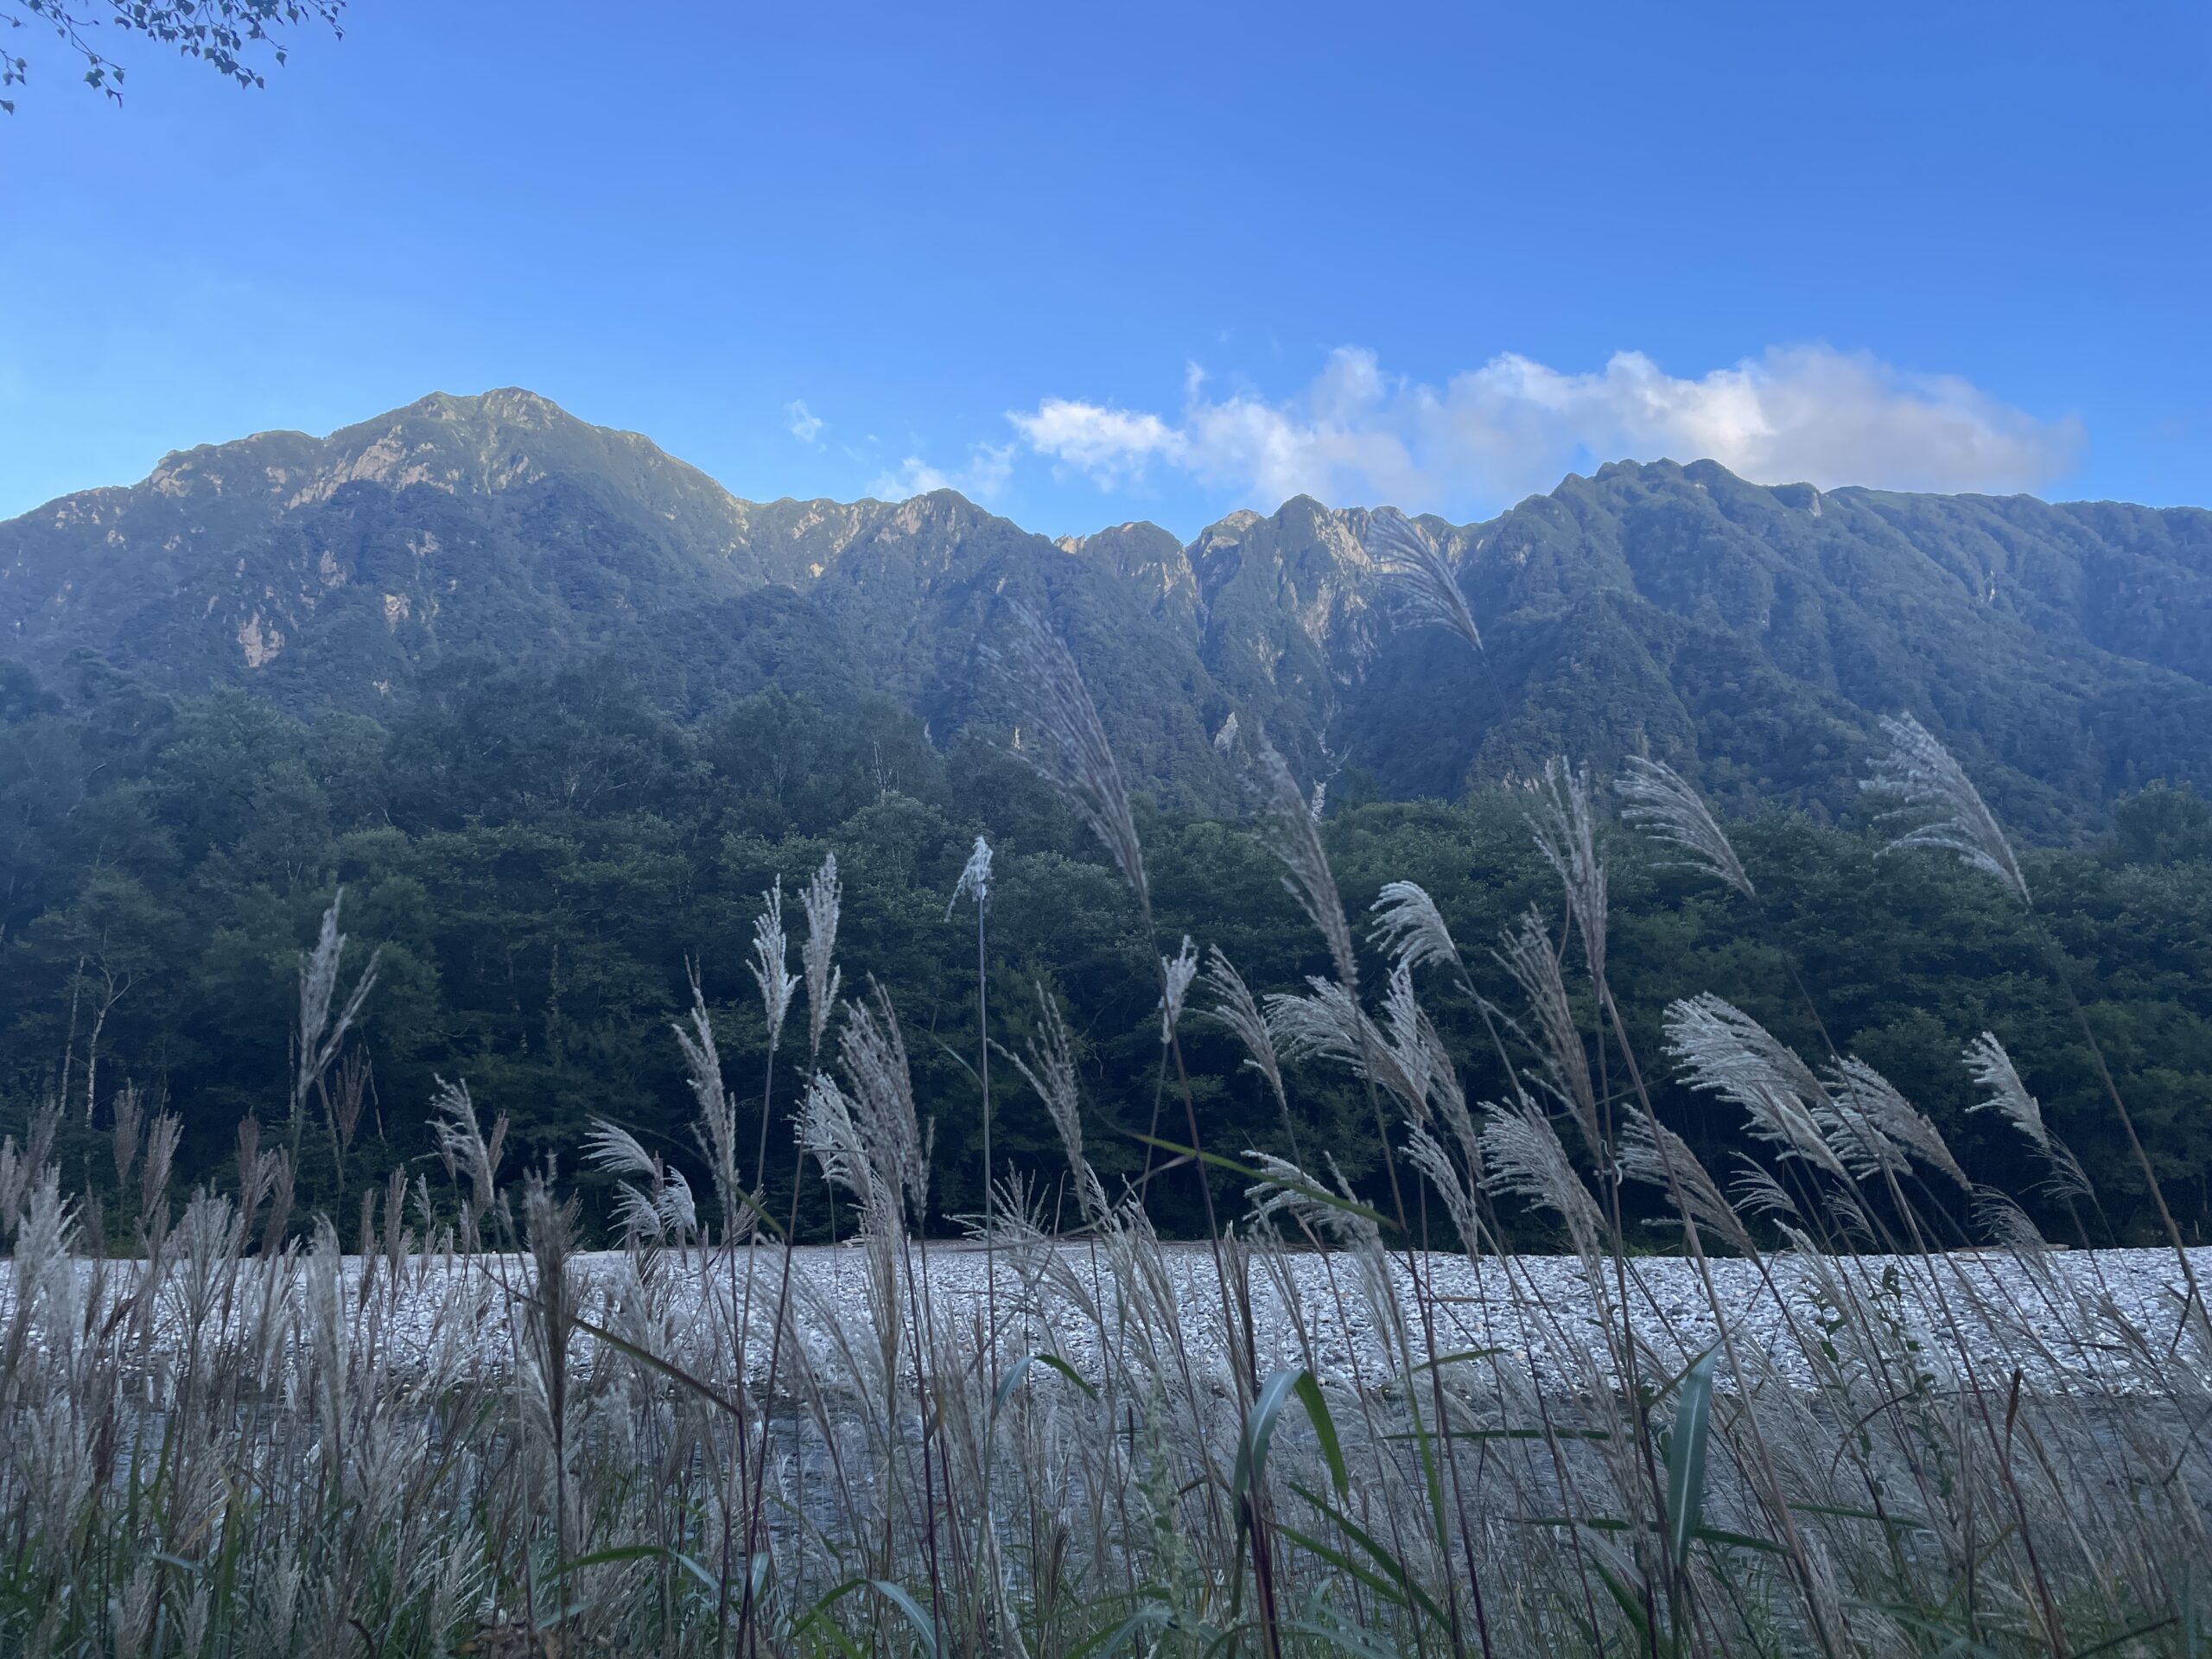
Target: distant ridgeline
(556, 711)
(1747, 635)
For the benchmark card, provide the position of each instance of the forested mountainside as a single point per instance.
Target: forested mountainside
(1750, 635)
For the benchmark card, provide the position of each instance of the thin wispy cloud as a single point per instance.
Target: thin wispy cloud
(983, 478)
(802, 422)
(1514, 426)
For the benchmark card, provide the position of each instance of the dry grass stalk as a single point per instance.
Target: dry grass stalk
(1917, 772)
(1066, 740)
(1662, 802)
(1424, 583)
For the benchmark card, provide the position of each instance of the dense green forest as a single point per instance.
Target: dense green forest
(541, 855)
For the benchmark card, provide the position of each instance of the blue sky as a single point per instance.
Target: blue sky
(1092, 264)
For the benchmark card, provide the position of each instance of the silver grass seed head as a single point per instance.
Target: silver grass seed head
(823, 900)
(321, 1035)
(397, 1242)
(129, 1119)
(1918, 773)
(1048, 694)
(1566, 832)
(1992, 1069)
(1176, 973)
(284, 1604)
(15, 1181)
(1295, 838)
(770, 954)
(461, 1143)
(2006, 1225)
(38, 1142)
(1413, 1062)
(46, 1235)
(828, 1128)
(1284, 1188)
(162, 1137)
(318, 977)
(637, 1215)
(1651, 1153)
(1237, 1010)
(135, 1611)
(1757, 1192)
(679, 1211)
(255, 1166)
(1722, 1050)
(1527, 953)
(1327, 1023)
(614, 1149)
(1428, 1157)
(874, 1055)
(327, 1315)
(1848, 1215)
(1410, 927)
(212, 1233)
(550, 1232)
(1048, 1068)
(1420, 576)
(191, 1624)
(975, 879)
(1662, 802)
(716, 1128)
(1524, 1158)
(1849, 1121)
(1870, 1104)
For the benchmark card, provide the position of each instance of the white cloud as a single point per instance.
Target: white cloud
(1514, 426)
(802, 422)
(1110, 444)
(911, 477)
(989, 465)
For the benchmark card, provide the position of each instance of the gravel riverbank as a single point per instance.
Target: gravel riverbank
(2072, 1320)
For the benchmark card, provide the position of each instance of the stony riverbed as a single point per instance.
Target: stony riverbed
(2077, 1320)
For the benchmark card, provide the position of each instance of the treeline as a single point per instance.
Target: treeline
(543, 859)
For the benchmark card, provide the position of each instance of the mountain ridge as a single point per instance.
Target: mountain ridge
(1751, 633)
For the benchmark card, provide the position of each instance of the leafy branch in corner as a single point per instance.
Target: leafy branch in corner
(228, 35)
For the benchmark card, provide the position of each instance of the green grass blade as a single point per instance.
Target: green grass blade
(1019, 1369)
(642, 1553)
(1344, 1564)
(1252, 1448)
(1360, 1643)
(1324, 1430)
(1377, 1550)
(1107, 1643)
(1685, 1460)
(925, 1626)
